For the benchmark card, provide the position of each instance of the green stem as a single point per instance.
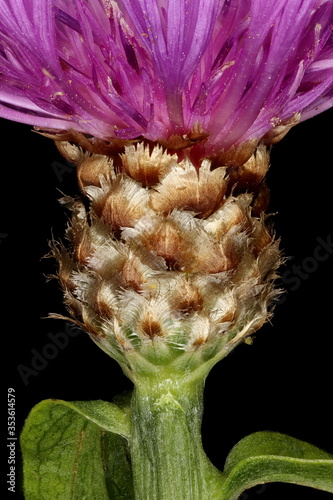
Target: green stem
(166, 449)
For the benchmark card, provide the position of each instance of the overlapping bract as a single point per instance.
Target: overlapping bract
(154, 68)
(165, 264)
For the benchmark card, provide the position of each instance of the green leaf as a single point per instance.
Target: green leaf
(108, 416)
(75, 451)
(266, 457)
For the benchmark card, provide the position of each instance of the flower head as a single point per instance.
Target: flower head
(225, 71)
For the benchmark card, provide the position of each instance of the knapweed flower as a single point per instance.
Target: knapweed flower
(168, 109)
(172, 105)
(223, 72)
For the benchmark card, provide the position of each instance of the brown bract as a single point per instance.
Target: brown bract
(167, 252)
(185, 188)
(280, 129)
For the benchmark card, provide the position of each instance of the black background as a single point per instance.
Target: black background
(283, 382)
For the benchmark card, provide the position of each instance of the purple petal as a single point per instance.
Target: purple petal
(154, 68)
